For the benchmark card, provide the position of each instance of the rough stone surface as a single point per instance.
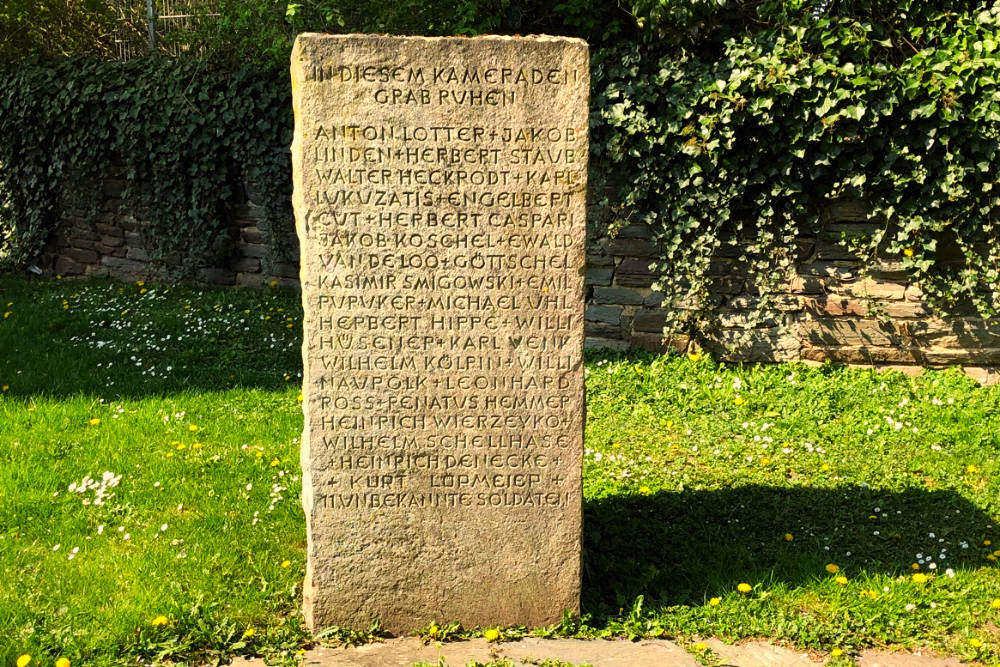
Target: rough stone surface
(440, 189)
(605, 314)
(600, 276)
(598, 343)
(619, 295)
(760, 654)
(405, 652)
(872, 658)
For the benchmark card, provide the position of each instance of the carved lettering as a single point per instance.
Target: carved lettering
(440, 204)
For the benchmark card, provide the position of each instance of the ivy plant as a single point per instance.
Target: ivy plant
(740, 154)
(185, 135)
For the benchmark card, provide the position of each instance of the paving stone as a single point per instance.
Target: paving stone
(760, 654)
(872, 658)
(530, 651)
(407, 651)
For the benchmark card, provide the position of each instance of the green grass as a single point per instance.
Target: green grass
(688, 491)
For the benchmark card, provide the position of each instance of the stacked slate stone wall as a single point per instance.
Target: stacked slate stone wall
(828, 311)
(109, 243)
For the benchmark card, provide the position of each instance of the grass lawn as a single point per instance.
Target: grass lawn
(149, 491)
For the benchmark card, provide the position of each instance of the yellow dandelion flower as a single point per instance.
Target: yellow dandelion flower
(789, 537)
(908, 252)
(182, 446)
(62, 662)
(301, 397)
(273, 283)
(274, 462)
(94, 421)
(714, 602)
(995, 603)
(23, 660)
(976, 642)
(842, 580)
(915, 566)
(744, 588)
(58, 277)
(169, 454)
(286, 563)
(6, 315)
(645, 490)
(491, 635)
(433, 630)
(259, 454)
(997, 552)
(920, 578)
(159, 620)
(192, 428)
(694, 356)
(139, 283)
(825, 467)
(987, 543)
(700, 646)
(6, 387)
(971, 469)
(836, 653)
(832, 569)
(142, 291)
(196, 445)
(739, 400)
(249, 632)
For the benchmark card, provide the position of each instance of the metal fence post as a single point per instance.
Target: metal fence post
(151, 16)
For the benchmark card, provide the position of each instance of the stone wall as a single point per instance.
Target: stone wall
(827, 312)
(110, 244)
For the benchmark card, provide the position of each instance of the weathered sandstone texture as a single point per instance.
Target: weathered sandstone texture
(440, 188)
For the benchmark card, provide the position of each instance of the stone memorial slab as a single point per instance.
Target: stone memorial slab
(439, 202)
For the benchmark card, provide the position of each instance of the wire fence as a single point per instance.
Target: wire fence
(145, 26)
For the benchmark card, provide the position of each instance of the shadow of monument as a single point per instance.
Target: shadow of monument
(684, 547)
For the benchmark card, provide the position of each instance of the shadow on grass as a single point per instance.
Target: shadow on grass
(682, 548)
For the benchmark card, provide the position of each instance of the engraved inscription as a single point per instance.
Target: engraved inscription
(440, 204)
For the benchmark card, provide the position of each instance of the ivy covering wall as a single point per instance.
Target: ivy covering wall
(186, 136)
(739, 143)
